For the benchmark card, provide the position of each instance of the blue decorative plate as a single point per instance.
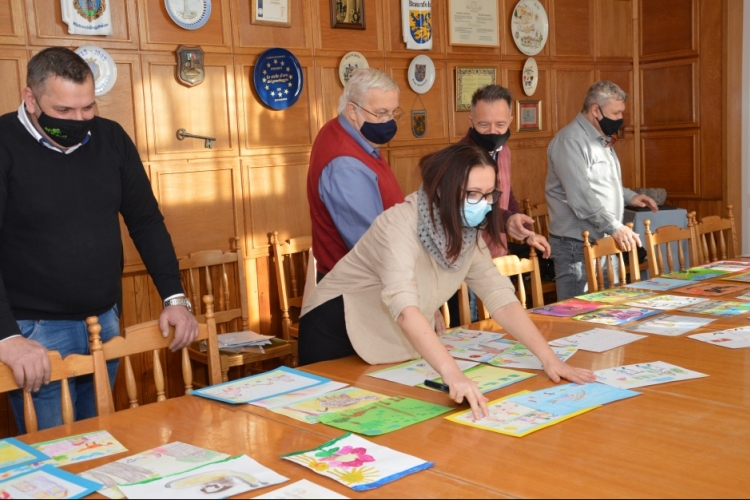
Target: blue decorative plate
(278, 78)
(189, 14)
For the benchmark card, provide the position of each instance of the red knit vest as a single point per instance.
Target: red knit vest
(334, 141)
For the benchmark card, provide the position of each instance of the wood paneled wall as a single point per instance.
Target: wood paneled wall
(666, 54)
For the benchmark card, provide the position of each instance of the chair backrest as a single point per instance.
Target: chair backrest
(712, 234)
(62, 369)
(540, 214)
(597, 258)
(511, 265)
(147, 337)
(291, 260)
(666, 238)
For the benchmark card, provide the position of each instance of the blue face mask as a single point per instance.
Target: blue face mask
(474, 214)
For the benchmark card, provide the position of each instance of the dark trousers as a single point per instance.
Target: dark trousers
(322, 333)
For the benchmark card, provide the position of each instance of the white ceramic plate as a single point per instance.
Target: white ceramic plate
(350, 62)
(421, 74)
(102, 65)
(530, 76)
(529, 27)
(189, 14)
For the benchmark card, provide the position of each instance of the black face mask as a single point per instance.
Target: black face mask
(379, 133)
(489, 142)
(66, 133)
(608, 125)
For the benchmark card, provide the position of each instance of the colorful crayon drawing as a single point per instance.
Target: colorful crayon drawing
(614, 296)
(616, 315)
(483, 353)
(570, 307)
(719, 308)
(666, 302)
(712, 289)
(670, 326)
(14, 454)
(80, 448)
(274, 383)
(644, 374)
(302, 489)
(744, 278)
(462, 338)
(489, 378)
(309, 410)
(570, 398)
(358, 463)
(729, 266)
(414, 372)
(519, 356)
(694, 274)
(656, 284)
(735, 338)
(231, 476)
(47, 482)
(295, 396)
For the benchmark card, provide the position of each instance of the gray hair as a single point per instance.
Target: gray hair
(362, 80)
(601, 92)
(56, 61)
(491, 93)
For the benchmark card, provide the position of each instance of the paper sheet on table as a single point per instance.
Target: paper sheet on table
(489, 378)
(484, 352)
(570, 398)
(614, 296)
(14, 454)
(296, 396)
(303, 489)
(415, 372)
(597, 340)
(723, 308)
(519, 356)
(730, 266)
(79, 448)
(644, 374)
(461, 338)
(734, 338)
(656, 284)
(47, 482)
(666, 302)
(616, 315)
(274, 383)
(670, 326)
(309, 410)
(566, 308)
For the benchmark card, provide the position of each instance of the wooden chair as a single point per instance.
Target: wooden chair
(667, 237)
(712, 234)
(464, 308)
(214, 271)
(511, 265)
(604, 249)
(62, 369)
(290, 259)
(540, 214)
(147, 337)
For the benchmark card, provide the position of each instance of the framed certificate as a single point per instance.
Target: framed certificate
(528, 116)
(474, 23)
(271, 12)
(348, 14)
(468, 80)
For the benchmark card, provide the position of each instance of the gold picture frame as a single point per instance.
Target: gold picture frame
(271, 13)
(468, 80)
(528, 116)
(348, 14)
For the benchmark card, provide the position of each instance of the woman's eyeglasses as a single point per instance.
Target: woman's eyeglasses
(474, 197)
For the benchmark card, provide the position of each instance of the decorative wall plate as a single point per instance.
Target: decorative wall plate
(102, 65)
(278, 78)
(530, 76)
(421, 74)
(529, 26)
(189, 14)
(350, 62)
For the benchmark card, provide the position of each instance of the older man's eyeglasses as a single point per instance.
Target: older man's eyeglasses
(474, 197)
(396, 114)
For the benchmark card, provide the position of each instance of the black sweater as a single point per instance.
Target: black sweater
(60, 243)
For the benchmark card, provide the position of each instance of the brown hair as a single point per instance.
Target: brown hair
(492, 93)
(445, 175)
(56, 61)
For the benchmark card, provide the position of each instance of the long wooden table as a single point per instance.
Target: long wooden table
(683, 439)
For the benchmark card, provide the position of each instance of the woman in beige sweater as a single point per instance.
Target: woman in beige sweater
(379, 300)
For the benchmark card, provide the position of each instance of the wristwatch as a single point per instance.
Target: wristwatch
(179, 301)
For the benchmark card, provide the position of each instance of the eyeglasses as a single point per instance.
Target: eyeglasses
(474, 197)
(397, 114)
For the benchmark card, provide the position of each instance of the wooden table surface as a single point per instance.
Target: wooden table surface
(683, 439)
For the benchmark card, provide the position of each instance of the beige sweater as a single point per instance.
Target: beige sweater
(388, 270)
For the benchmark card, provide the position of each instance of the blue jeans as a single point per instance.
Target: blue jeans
(570, 273)
(67, 337)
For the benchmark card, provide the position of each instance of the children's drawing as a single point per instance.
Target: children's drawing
(597, 340)
(729, 266)
(519, 356)
(489, 378)
(565, 308)
(295, 396)
(462, 338)
(265, 385)
(358, 463)
(667, 302)
(670, 326)
(302, 489)
(656, 284)
(231, 476)
(80, 448)
(694, 274)
(386, 415)
(414, 372)
(712, 289)
(309, 410)
(570, 398)
(483, 353)
(614, 296)
(644, 374)
(14, 454)
(507, 417)
(157, 462)
(616, 315)
(47, 482)
(744, 278)
(735, 338)
(719, 308)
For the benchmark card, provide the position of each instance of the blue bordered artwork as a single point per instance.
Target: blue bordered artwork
(278, 78)
(189, 14)
(14, 454)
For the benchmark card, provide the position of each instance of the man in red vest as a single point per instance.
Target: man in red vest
(349, 183)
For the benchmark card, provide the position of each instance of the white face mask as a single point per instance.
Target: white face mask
(474, 213)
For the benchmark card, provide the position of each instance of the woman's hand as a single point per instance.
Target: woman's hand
(557, 370)
(461, 387)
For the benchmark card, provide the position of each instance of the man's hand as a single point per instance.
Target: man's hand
(540, 243)
(626, 239)
(439, 323)
(184, 323)
(29, 361)
(641, 200)
(514, 226)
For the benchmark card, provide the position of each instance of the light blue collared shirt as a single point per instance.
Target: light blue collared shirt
(349, 189)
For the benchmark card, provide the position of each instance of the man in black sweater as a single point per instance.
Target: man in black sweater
(65, 176)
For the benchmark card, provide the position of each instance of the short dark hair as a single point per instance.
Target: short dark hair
(447, 172)
(491, 93)
(56, 61)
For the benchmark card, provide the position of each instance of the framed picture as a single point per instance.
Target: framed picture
(473, 23)
(348, 14)
(528, 116)
(468, 80)
(271, 13)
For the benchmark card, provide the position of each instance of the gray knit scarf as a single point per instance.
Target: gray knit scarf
(433, 236)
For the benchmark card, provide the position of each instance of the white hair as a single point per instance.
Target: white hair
(601, 92)
(362, 80)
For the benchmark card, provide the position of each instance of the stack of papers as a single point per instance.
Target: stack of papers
(238, 340)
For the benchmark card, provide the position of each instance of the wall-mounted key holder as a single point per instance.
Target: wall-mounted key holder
(182, 133)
